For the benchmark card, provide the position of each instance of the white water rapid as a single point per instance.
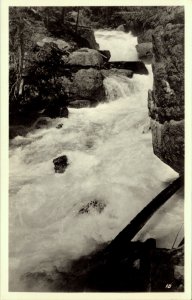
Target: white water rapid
(111, 160)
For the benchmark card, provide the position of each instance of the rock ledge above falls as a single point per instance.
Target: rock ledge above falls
(166, 100)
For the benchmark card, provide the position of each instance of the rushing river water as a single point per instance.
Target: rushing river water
(111, 162)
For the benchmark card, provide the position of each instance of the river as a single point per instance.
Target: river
(111, 162)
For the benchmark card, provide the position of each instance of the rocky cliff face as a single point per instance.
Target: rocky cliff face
(166, 100)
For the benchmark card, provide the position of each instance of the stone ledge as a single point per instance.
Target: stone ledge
(168, 143)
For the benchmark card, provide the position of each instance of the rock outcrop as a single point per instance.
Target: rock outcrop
(145, 50)
(85, 57)
(166, 101)
(84, 84)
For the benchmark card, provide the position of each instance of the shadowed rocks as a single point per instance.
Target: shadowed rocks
(96, 205)
(60, 164)
(145, 50)
(137, 67)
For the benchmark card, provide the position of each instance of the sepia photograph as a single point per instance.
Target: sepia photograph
(96, 146)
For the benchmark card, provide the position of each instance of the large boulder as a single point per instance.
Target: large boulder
(166, 101)
(145, 50)
(85, 84)
(85, 57)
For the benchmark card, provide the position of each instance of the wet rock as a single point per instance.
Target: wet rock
(85, 84)
(79, 103)
(64, 113)
(60, 164)
(41, 123)
(59, 126)
(106, 55)
(96, 205)
(85, 57)
(145, 50)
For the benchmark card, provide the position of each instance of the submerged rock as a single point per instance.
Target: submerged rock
(59, 126)
(97, 205)
(41, 122)
(60, 164)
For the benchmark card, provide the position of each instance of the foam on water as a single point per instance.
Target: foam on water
(121, 44)
(110, 160)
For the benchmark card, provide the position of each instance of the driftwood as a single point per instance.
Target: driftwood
(138, 67)
(128, 233)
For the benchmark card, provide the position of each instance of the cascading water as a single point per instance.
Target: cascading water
(112, 175)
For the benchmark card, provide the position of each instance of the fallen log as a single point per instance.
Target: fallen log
(138, 67)
(128, 233)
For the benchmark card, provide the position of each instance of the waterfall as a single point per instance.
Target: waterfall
(111, 164)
